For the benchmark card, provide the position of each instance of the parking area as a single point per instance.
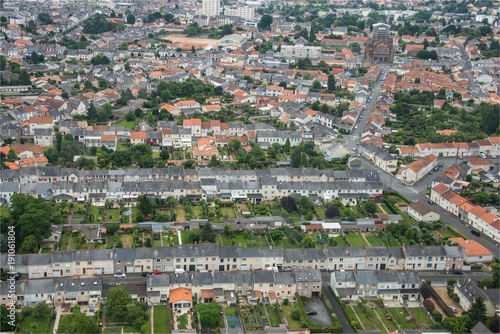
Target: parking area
(323, 316)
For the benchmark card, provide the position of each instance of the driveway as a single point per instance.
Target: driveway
(346, 327)
(323, 316)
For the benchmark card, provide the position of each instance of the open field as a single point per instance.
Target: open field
(177, 38)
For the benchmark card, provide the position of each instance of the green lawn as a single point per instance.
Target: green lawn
(231, 310)
(407, 219)
(274, 318)
(112, 330)
(421, 316)
(393, 243)
(376, 321)
(275, 212)
(197, 212)
(63, 244)
(386, 209)
(239, 238)
(286, 243)
(295, 216)
(350, 314)
(127, 125)
(367, 324)
(340, 241)
(388, 323)
(46, 250)
(36, 325)
(399, 314)
(130, 329)
(321, 213)
(94, 213)
(127, 240)
(161, 318)
(184, 237)
(226, 241)
(356, 240)
(374, 241)
(287, 309)
(113, 215)
(183, 321)
(181, 214)
(4, 212)
(230, 213)
(262, 241)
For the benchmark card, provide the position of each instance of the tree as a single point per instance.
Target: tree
(11, 155)
(316, 84)
(308, 242)
(437, 315)
(144, 205)
(130, 19)
(276, 235)
(77, 322)
(477, 312)
(207, 233)
(164, 154)
(228, 229)
(117, 302)
(303, 160)
(287, 146)
(234, 144)
(42, 311)
(265, 22)
(295, 313)
(370, 207)
(209, 314)
(457, 325)
(112, 228)
(91, 112)
(426, 291)
(332, 211)
(6, 322)
(29, 245)
(288, 203)
(214, 162)
(429, 305)
(331, 83)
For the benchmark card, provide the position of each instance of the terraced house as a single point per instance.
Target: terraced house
(212, 257)
(102, 185)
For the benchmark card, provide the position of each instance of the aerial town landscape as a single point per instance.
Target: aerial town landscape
(250, 166)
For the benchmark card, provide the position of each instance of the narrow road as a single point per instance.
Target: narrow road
(346, 326)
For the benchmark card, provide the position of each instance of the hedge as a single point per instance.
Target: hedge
(389, 205)
(451, 229)
(393, 193)
(476, 267)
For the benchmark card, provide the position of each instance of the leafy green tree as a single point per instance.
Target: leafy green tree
(208, 233)
(144, 205)
(117, 302)
(276, 235)
(209, 314)
(303, 160)
(316, 84)
(77, 322)
(287, 146)
(214, 162)
(29, 245)
(331, 83)
(228, 229)
(5, 322)
(477, 312)
(91, 111)
(308, 242)
(11, 155)
(42, 311)
(164, 154)
(234, 144)
(370, 207)
(265, 22)
(457, 325)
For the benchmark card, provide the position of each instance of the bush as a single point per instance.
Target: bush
(286, 301)
(295, 314)
(436, 315)
(429, 305)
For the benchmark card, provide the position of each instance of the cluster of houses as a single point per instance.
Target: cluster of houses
(99, 186)
(179, 289)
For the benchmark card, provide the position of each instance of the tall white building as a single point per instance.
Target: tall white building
(210, 8)
(245, 12)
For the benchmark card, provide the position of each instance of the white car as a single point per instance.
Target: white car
(119, 275)
(453, 309)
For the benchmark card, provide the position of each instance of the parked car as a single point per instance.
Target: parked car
(476, 233)
(430, 202)
(436, 168)
(120, 275)
(457, 272)
(145, 274)
(312, 312)
(157, 272)
(453, 309)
